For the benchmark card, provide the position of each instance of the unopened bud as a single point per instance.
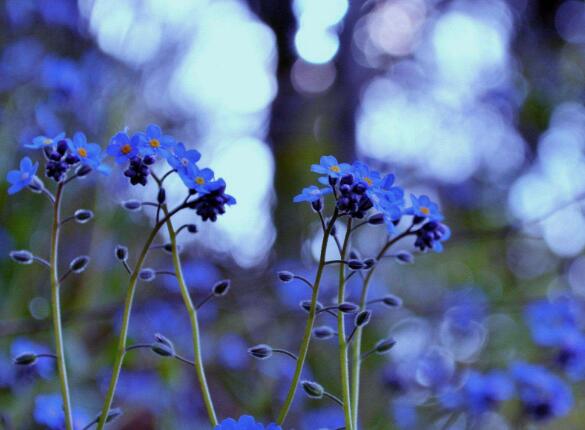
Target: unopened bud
(221, 288)
(261, 352)
(79, 264)
(285, 276)
(22, 257)
(312, 389)
(83, 215)
(363, 318)
(26, 359)
(323, 332)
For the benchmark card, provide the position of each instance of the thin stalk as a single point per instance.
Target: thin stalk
(356, 347)
(56, 310)
(343, 342)
(309, 326)
(126, 318)
(192, 311)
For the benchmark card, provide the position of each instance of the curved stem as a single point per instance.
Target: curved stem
(56, 310)
(309, 326)
(357, 342)
(121, 352)
(343, 342)
(192, 311)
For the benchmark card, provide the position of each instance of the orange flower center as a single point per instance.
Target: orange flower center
(155, 143)
(368, 181)
(425, 210)
(199, 180)
(82, 152)
(335, 168)
(126, 149)
(47, 141)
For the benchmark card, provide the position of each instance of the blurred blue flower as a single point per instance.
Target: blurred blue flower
(42, 141)
(571, 356)
(480, 392)
(328, 165)
(405, 415)
(312, 194)
(233, 351)
(552, 322)
(424, 207)
(19, 62)
(48, 411)
(156, 143)
(324, 418)
(435, 369)
(543, 395)
(182, 160)
(246, 422)
(63, 77)
(122, 147)
(90, 154)
(20, 179)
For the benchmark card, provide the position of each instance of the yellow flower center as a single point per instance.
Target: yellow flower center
(335, 168)
(199, 180)
(155, 143)
(82, 152)
(368, 181)
(126, 149)
(425, 210)
(47, 141)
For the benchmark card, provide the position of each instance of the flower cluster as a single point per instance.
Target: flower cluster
(246, 422)
(140, 151)
(359, 191)
(62, 154)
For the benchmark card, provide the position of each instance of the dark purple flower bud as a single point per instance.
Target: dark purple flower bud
(323, 332)
(132, 205)
(82, 216)
(121, 253)
(62, 147)
(317, 205)
(261, 352)
(348, 308)
(192, 228)
(168, 248)
(71, 159)
(417, 219)
(306, 306)
(22, 257)
(363, 318)
(392, 301)
(286, 276)
(346, 179)
(79, 264)
(163, 349)
(385, 345)
(149, 160)
(147, 274)
(355, 264)
(376, 219)
(332, 181)
(164, 340)
(82, 171)
(312, 389)
(162, 196)
(26, 359)
(404, 257)
(221, 288)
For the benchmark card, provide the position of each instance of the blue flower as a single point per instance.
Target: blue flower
(42, 141)
(425, 208)
(200, 180)
(543, 395)
(90, 154)
(312, 194)
(212, 204)
(122, 148)
(552, 322)
(155, 143)
(182, 160)
(48, 411)
(571, 356)
(431, 235)
(388, 200)
(328, 165)
(480, 392)
(363, 173)
(20, 179)
(246, 422)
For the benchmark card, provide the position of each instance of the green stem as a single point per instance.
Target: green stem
(343, 353)
(56, 310)
(198, 361)
(309, 326)
(126, 319)
(356, 347)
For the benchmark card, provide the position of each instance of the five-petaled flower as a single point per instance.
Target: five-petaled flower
(40, 142)
(154, 142)
(424, 207)
(311, 194)
(89, 154)
(20, 179)
(122, 147)
(182, 160)
(200, 180)
(328, 165)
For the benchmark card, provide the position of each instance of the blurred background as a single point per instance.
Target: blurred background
(475, 103)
